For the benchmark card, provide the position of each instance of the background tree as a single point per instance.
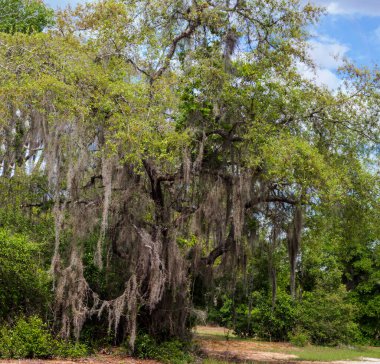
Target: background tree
(25, 16)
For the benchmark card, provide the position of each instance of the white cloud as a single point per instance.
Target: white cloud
(347, 7)
(328, 78)
(322, 77)
(327, 55)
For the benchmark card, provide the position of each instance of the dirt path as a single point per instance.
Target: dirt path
(241, 351)
(213, 342)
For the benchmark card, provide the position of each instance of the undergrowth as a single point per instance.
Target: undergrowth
(31, 338)
(170, 352)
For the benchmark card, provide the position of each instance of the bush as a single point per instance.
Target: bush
(299, 338)
(328, 318)
(274, 323)
(27, 339)
(30, 338)
(23, 284)
(263, 321)
(171, 352)
(145, 347)
(67, 349)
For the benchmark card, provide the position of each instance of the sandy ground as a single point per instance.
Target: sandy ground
(213, 342)
(240, 351)
(243, 351)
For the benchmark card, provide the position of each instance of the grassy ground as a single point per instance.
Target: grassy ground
(215, 333)
(309, 353)
(318, 353)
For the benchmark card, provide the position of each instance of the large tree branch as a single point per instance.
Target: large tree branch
(185, 34)
(271, 198)
(221, 249)
(226, 135)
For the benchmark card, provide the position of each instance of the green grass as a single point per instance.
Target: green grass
(216, 334)
(319, 353)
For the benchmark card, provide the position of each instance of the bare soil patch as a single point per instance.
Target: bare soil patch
(219, 343)
(241, 351)
(214, 343)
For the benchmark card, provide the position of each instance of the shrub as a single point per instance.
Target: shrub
(145, 347)
(171, 352)
(264, 321)
(23, 284)
(67, 349)
(299, 338)
(273, 323)
(30, 338)
(328, 318)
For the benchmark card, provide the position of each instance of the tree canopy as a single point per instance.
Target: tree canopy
(24, 16)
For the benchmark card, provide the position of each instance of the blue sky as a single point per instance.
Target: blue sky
(62, 3)
(351, 28)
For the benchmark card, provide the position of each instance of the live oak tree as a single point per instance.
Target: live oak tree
(170, 135)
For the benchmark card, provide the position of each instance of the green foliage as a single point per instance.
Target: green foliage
(24, 285)
(145, 346)
(342, 246)
(324, 316)
(24, 16)
(25, 208)
(67, 349)
(328, 318)
(273, 323)
(263, 321)
(170, 352)
(30, 338)
(299, 338)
